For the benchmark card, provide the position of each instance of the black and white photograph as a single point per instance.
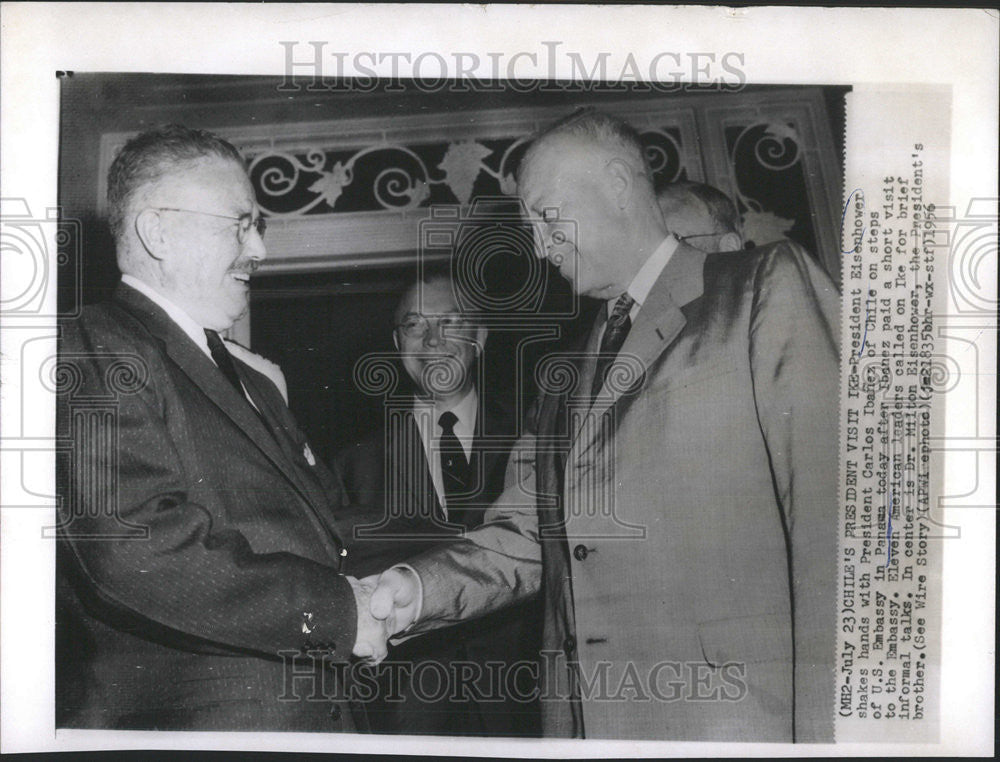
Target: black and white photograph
(433, 397)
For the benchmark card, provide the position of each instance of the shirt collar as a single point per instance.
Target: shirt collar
(175, 313)
(465, 410)
(648, 274)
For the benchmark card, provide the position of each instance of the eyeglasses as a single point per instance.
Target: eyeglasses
(245, 221)
(416, 326)
(698, 235)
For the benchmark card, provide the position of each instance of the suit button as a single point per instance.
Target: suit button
(569, 645)
(335, 713)
(580, 552)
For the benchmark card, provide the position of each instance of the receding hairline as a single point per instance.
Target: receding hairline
(677, 199)
(175, 170)
(606, 135)
(719, 207)
(546, 148)
(408, 294)
(171, 172)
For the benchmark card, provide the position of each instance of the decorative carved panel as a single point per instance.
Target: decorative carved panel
(349, 192)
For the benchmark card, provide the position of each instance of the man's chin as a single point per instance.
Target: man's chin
(441, 377)
(231, 316)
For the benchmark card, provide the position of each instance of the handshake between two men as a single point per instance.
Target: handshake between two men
(388, 604)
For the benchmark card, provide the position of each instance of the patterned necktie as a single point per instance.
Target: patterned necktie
(454, 466)
(615, 331)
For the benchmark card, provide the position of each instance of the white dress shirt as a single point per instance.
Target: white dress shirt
(184, 321)
(647, 276)
(426, 414)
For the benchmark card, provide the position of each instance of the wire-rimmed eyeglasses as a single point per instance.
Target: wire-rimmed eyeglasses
(416, 326)
(244, 221)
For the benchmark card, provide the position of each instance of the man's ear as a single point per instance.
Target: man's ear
(619, 174)
(149, 229)
(730, 242)
(395, 339)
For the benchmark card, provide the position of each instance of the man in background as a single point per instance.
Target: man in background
(675, 496)
(701, 215)
(200, 580)
(436, 467)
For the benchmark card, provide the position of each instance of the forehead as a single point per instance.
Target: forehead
(433, 298)
(208, 180)
(688, 215)
(556, 164)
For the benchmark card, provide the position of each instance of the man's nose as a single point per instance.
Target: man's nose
(432, 336)
(254, 246)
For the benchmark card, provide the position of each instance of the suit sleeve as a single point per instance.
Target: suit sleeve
(793, 356)
(493, 566)
(186, 573)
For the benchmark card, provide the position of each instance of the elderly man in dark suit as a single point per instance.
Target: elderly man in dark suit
(676, 503)
(200, 572)
(435, 467)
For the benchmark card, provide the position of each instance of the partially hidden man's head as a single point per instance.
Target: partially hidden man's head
(587, 181)
(437, 343)
(701, 215)
(186, 222)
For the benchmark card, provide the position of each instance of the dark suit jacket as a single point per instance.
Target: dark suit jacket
(389, 469)
(685, 533)
(197, 543)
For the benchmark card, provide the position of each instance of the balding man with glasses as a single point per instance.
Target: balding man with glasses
(701, 215)
(201, 573)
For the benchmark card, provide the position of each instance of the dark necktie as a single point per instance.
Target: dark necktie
(454, 465)
(615, 331)
(224, 360)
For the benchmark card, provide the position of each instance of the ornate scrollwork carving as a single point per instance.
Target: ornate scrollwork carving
(389, 176)
(773, 146)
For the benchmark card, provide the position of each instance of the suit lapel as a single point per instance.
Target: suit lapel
(488, 457)
(573, 412)
(657, 325)
(491, 446)
(210, 380)
(267, 405)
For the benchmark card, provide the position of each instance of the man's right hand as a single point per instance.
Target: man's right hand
(396, 598)
(372, 637)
